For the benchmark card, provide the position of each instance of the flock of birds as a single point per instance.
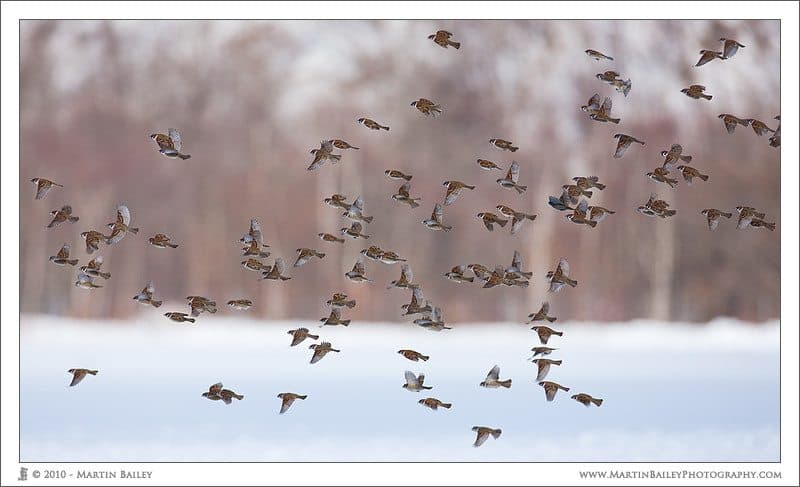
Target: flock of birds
(573, 198)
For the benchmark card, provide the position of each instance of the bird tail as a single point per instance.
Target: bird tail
(591, 223)
(313, 337)
(413, 203)
(597, 402)
(506, 384)
(704, 177)
(238, 396)
(520, 189)
(190, 320)
(424, 358)
(526, 274)
(408, 178)
(726, 215)
(496, 433)
(104, 275)
(513, 149)
(570, 281)
(156, 304)
(771, 226)
(457, 45)
(502, 223)
(670, 212)
(284, 278)
(345, 322)
(588, 194)
(672, 182)
(336, 157)
(73, 219)
(446, 405)
(613, 120)
(368, 219)
(93, 372)
(335, 350)
(384, 128)
(707, 97)
(550, 318)
(303, 396)
(340, 240)
(184, 156)
(686, 159)
(133, 230)
(600, 186)
(426, 387)
(72, 262)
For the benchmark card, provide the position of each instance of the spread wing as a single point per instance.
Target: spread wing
(516, 261)
(550, 391)
(438, 211)
(606, 105)
(563, 266)
(622, 145)
(730, 124)
(411, 379)
(63, 253)
(149, 288)
(436, 314)
(123, 215)
(582, 207)
(95, 263)
(336, 314)
(255, 231)
(356, 227)
(545, 308)
(406, 274)
(280, 265)
(452, 194)
(286, 403)
(416, 296)
(77, 376)
(404, 190)
(494, 373)
(176, 138)
(358, 204)
(482, 435)
(594, 101)
(358, 267)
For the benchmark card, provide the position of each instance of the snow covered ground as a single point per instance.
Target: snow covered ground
(672, 392)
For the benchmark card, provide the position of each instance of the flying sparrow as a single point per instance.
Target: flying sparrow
(339, 300)
(356, 211)
(354, 231)
(337, 201)
(454, 189)
(406, 279)
(435, 221)
(304, 255)
(85, 281)
(179, 317)
(597, 55)
(579, 215)
(541, 315)
(415, 383)
(729, 47)
(731, 121)
(146, 296)
(320, 349)
(550, 389)
(418, 304)
(79, 374)
(327, 237)
(43, 186)
(713, 216)
(517, 217)
(544, 366)
(397, 175)
(372, 124)
(340, 144)
(170, 144)
(121, 226)
(457, 274)
(542, 350)
(696, 92)
(240, 304)
(61, 216)
(484, 433)
(708, 56)
(759, 127)
(162, 241)
(357, 274)
(673, 155)
(413, 356)
(93, 268)
(560, 276)
(288, 398)
(442, 37)
(62, 257)
(300, 334)
(503, 144)
(493, 379)
(435, 404)
(427, 107)
(403, 196)
(545, 333)
(275, 273)
(746, 215)
(512, 178)
(587, 400)
(623, 142)
(434, 321)
(689, 173)
(488, 165)
(661, 175)
(335, 318)
(489, 219)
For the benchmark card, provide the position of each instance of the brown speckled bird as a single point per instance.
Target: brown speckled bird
(587, 400)
(759, 127)
(200, 304)
(427, 107)
(357, 274)
(454, 189)
(597, 55)
(433, 321)
(146, 296)
(356, 211)
(673, 155)
(404, 196)
(288, 398)
(707, 56)
(543, 365)
(759, 223)
(435, 221)
(62, 257)
(560, 276)
(93, 268)
(339, 300)
(240, 304)
(324, 153)
(275, 273)
(690, 173)
(713, 216)
(442, 38)
(254, 249)
(413, 356)
(121, 226)
(579, 215)
(355, 231)
(487, 165)
(729, 47)
(435, 404)
(696, 92)
(337, 201)
(415, 383)
(574, 192)
(179, 317)
(43, 186)
(170, 144)
(512, 179)
(517, 217)
(320, 350)
(228, 396)
(253, 234)
(656, 207)
(598, 213)
(340, 144)
(731, 121)
(213, 392)
(746, 215)
(372, 124)
(623, 142)
(503, 144)
(162, 241)
(603, 113)
(61, 216)
(775, 140)
(493, 381)
(661, 175)
(93, 239)
(254, 265)
(457, 274)
(541, 315)
(304, 255)
(542, 351)
(489, 219)
(484, 433)
(79, 374)
(300, 334)
(588, 182)
(327, 237)
(85, 281)
(418, 304)
(406, 279)
(550, 389)
(334, 319)
(397, 175)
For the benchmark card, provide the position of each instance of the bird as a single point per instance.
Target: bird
(418, 304)
(729, 47)
(43, 186)
(62, 257)
(433, 403)
(324, 153)
(489, 219)
(354, 231)
(415, 383)
(560, 276)
(372, 124)
(413, 356)
(503, 144)
(484, 433)
(427, 107)
(390, 257)
(121, 226)
(397, 175)
(179, 317)
(200, 304)
(731, 121)
(550, 389)
(574, 192)
(435, 221)
(170, 144)
(254, 249)
(545, 333)
(759, 127)
(356, 211)
(696, 92)
(93, 239)
(655, 207)
(517, 217)
(433, 321)
(334, 319)
(442, 38)
(457, 274)
(320, 350)
(488, 165)
(300, 334)
(92, 268)
(689, 173)
(213, 392)
(713, 216)
(593, 105)
(579, 214)
(746, 216)
(597, 55)
(357, 274)
(454, 189)
(588, 182)
(542, 351)
(662, 175)
(228, 396)
(541, 315)
(759, 223)
(255, 265)
(327, 237)
(146, 295)
(253, 234)
(61, 216)
(603, 113)
(275, 273)
(403, 196)
(493, 381)
(339, 300)
(304, 255)
(512, 178)
(240, 304)
(337, 201)
(623, 142)
(340, 144)
(707, 56)
(406, 278)
(775, 140)
(673, 155)
(79, 374)
(587, 400)
(562, 202)
(515, 269)
(607, 76)
(85, 281)
(288, 398)
(162, 241)
(543, 365)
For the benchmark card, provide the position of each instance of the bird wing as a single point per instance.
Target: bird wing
(563, 266)
(622, 146)
(582, 207)
(482, 435)
(451, 195)
(359, 267)
(63, 253)
(436, 315)
(730, 124)
(255, 231)
(280, 265)
(358, 204)
(356, 227)
(494, 373)
(123, 215)
(336, 314)
(438, 212)
(84, 277)
(176, 138)
(288, 399)
(416, 296)
(215, 388)
(516, 261)
(713, 223)
(406, 274)
(550, 391)
(404, 190)
(594, 101)
(411, 379)
(545, 308)
(606, 108)
(77, 376)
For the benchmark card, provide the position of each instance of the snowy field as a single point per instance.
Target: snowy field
(672, 393)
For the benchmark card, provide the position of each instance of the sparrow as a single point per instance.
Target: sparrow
(587, 400)
(85, 281)
(403, 196)
(544, 366)
(275, 273)
(304, 255)
(550, 389)
(324, 153)
(775, 140)
(397, 175)
(493, 379)
(146, 296)
(213, 392)
(729, 48)
(661, 175)
(517, 217)
(357, 274)
(415, 306)
(708, 56)
(442, 37)
(689, 173)
(199, 304)
(356, 211)
(579, 215)
(673, 155)
(121, 226)
(541, 315)
(759, 127)
(288, 398)
(435, 221)
(593, 105)
(339, 300)
(179, 317)
(562, 202)
(170, 144)
(730, 122)
(489, 219)
(254, 249)
(327, 237)
(300, 334)
(759, 223)
(79, 374)
(746, 215)
(597, 55)
(93, 239)
(545, 333)
(337, 201)
(598, 213)
(603, 113)
(61, 216)
(574, 192)
(335, 318)
(622, 86)
(434, 321)
(427, 107)
(623, 142)
(656, 207)
(560, 276)
(542, 350)
(607, 76)
(228, 396)
(696, 92)
(340, 144)
(515, 269)
(43, 186)
(713, 216)
(255, 265)
(62, 257)
(488, 165)
(253, 234)
(390, 257)
(415, 383)
(413, 356)
(406, 279)
(435, 404)
(454, 189)
(240, 304)
(480, 271)
(457, 274)
(483, 434)
(588, 182)
(503, 144)
(93, 268)
(162, 241)
(320, 349)
(371, 124)
(512, 178)
(354, 231)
